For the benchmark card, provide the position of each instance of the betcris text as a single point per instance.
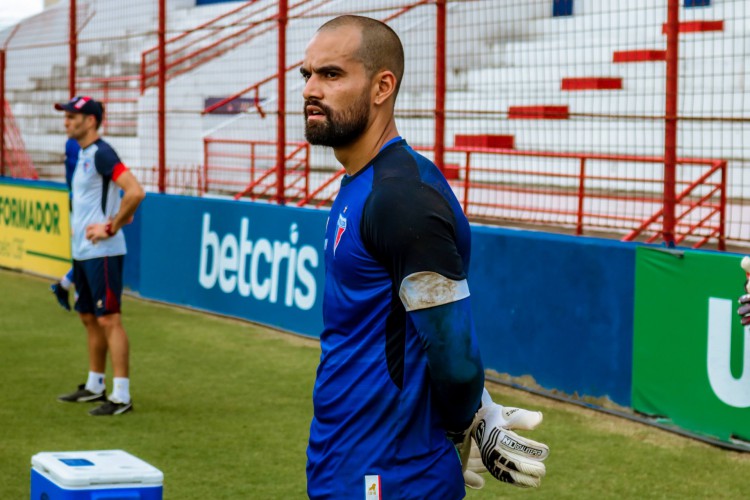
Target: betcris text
(256, 268)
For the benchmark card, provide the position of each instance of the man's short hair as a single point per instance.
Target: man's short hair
(380, 48)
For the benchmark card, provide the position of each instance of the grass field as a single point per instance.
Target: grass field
(223, 408)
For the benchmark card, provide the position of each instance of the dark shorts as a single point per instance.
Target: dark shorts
(98, 285)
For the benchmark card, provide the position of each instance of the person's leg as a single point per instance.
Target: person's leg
(93, 389)
(117, 341)
(97, 343)
(67, 281)
(107, 296)
(119, 352)
(61, 289)
(86, 279)
(119, 400)
(97, 347)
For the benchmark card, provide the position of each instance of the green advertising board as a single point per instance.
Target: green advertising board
(691, 355)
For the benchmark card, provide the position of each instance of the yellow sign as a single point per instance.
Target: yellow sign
(35, 227)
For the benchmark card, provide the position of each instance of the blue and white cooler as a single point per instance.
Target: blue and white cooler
(94, 475)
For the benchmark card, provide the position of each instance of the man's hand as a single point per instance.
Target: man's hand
(465, 445)
(473, 468)
(509, 457)
(98, 232)
(744, 310)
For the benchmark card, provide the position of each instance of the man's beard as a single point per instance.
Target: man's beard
(340, 129)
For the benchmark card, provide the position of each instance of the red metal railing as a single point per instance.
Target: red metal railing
(683, 200)
(582, 188)
(195, 45)
(670, 122)
(180, 179)
(595, 200)
(226, 161)
(15, 158)
(692, 209)
(114, 91)
(256, 86)
(281, 158)
(3, 106)
(3, 103)
(210, 40)
(325, 187)
(72, 47)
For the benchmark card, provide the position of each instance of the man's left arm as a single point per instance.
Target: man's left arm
(418, 247)
(452, 355)
(420, 250)
(133, 194)
(456, 371)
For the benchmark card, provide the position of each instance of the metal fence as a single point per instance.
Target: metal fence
(626, 118)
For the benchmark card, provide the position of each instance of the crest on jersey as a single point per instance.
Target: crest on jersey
(87, 164)
(340, 229)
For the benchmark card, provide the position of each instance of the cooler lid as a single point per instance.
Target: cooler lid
(88, 468)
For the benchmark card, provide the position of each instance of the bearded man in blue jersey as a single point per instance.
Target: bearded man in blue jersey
(400, 383)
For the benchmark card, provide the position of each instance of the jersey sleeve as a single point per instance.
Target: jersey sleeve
(411, 230)
(71, 158)
(108, 164)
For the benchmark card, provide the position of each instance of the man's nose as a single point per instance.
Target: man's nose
(312, 89)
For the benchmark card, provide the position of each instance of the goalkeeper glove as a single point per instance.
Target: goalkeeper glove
(509, 457)
(744, 310)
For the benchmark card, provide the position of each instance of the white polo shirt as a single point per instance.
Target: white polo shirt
(96, 199)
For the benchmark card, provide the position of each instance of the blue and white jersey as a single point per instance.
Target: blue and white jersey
(96, 199)
(395, 308)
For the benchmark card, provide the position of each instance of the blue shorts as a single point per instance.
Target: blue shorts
(98, 285)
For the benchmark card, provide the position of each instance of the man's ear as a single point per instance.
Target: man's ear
(384, 86)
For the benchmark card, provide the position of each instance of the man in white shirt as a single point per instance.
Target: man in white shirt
(98, 247)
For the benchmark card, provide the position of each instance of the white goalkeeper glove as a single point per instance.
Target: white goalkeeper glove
(509, 457)
(744, 310)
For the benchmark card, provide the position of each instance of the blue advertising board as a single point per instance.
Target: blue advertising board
(254, 261)
(558, 308)
(131, 269)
